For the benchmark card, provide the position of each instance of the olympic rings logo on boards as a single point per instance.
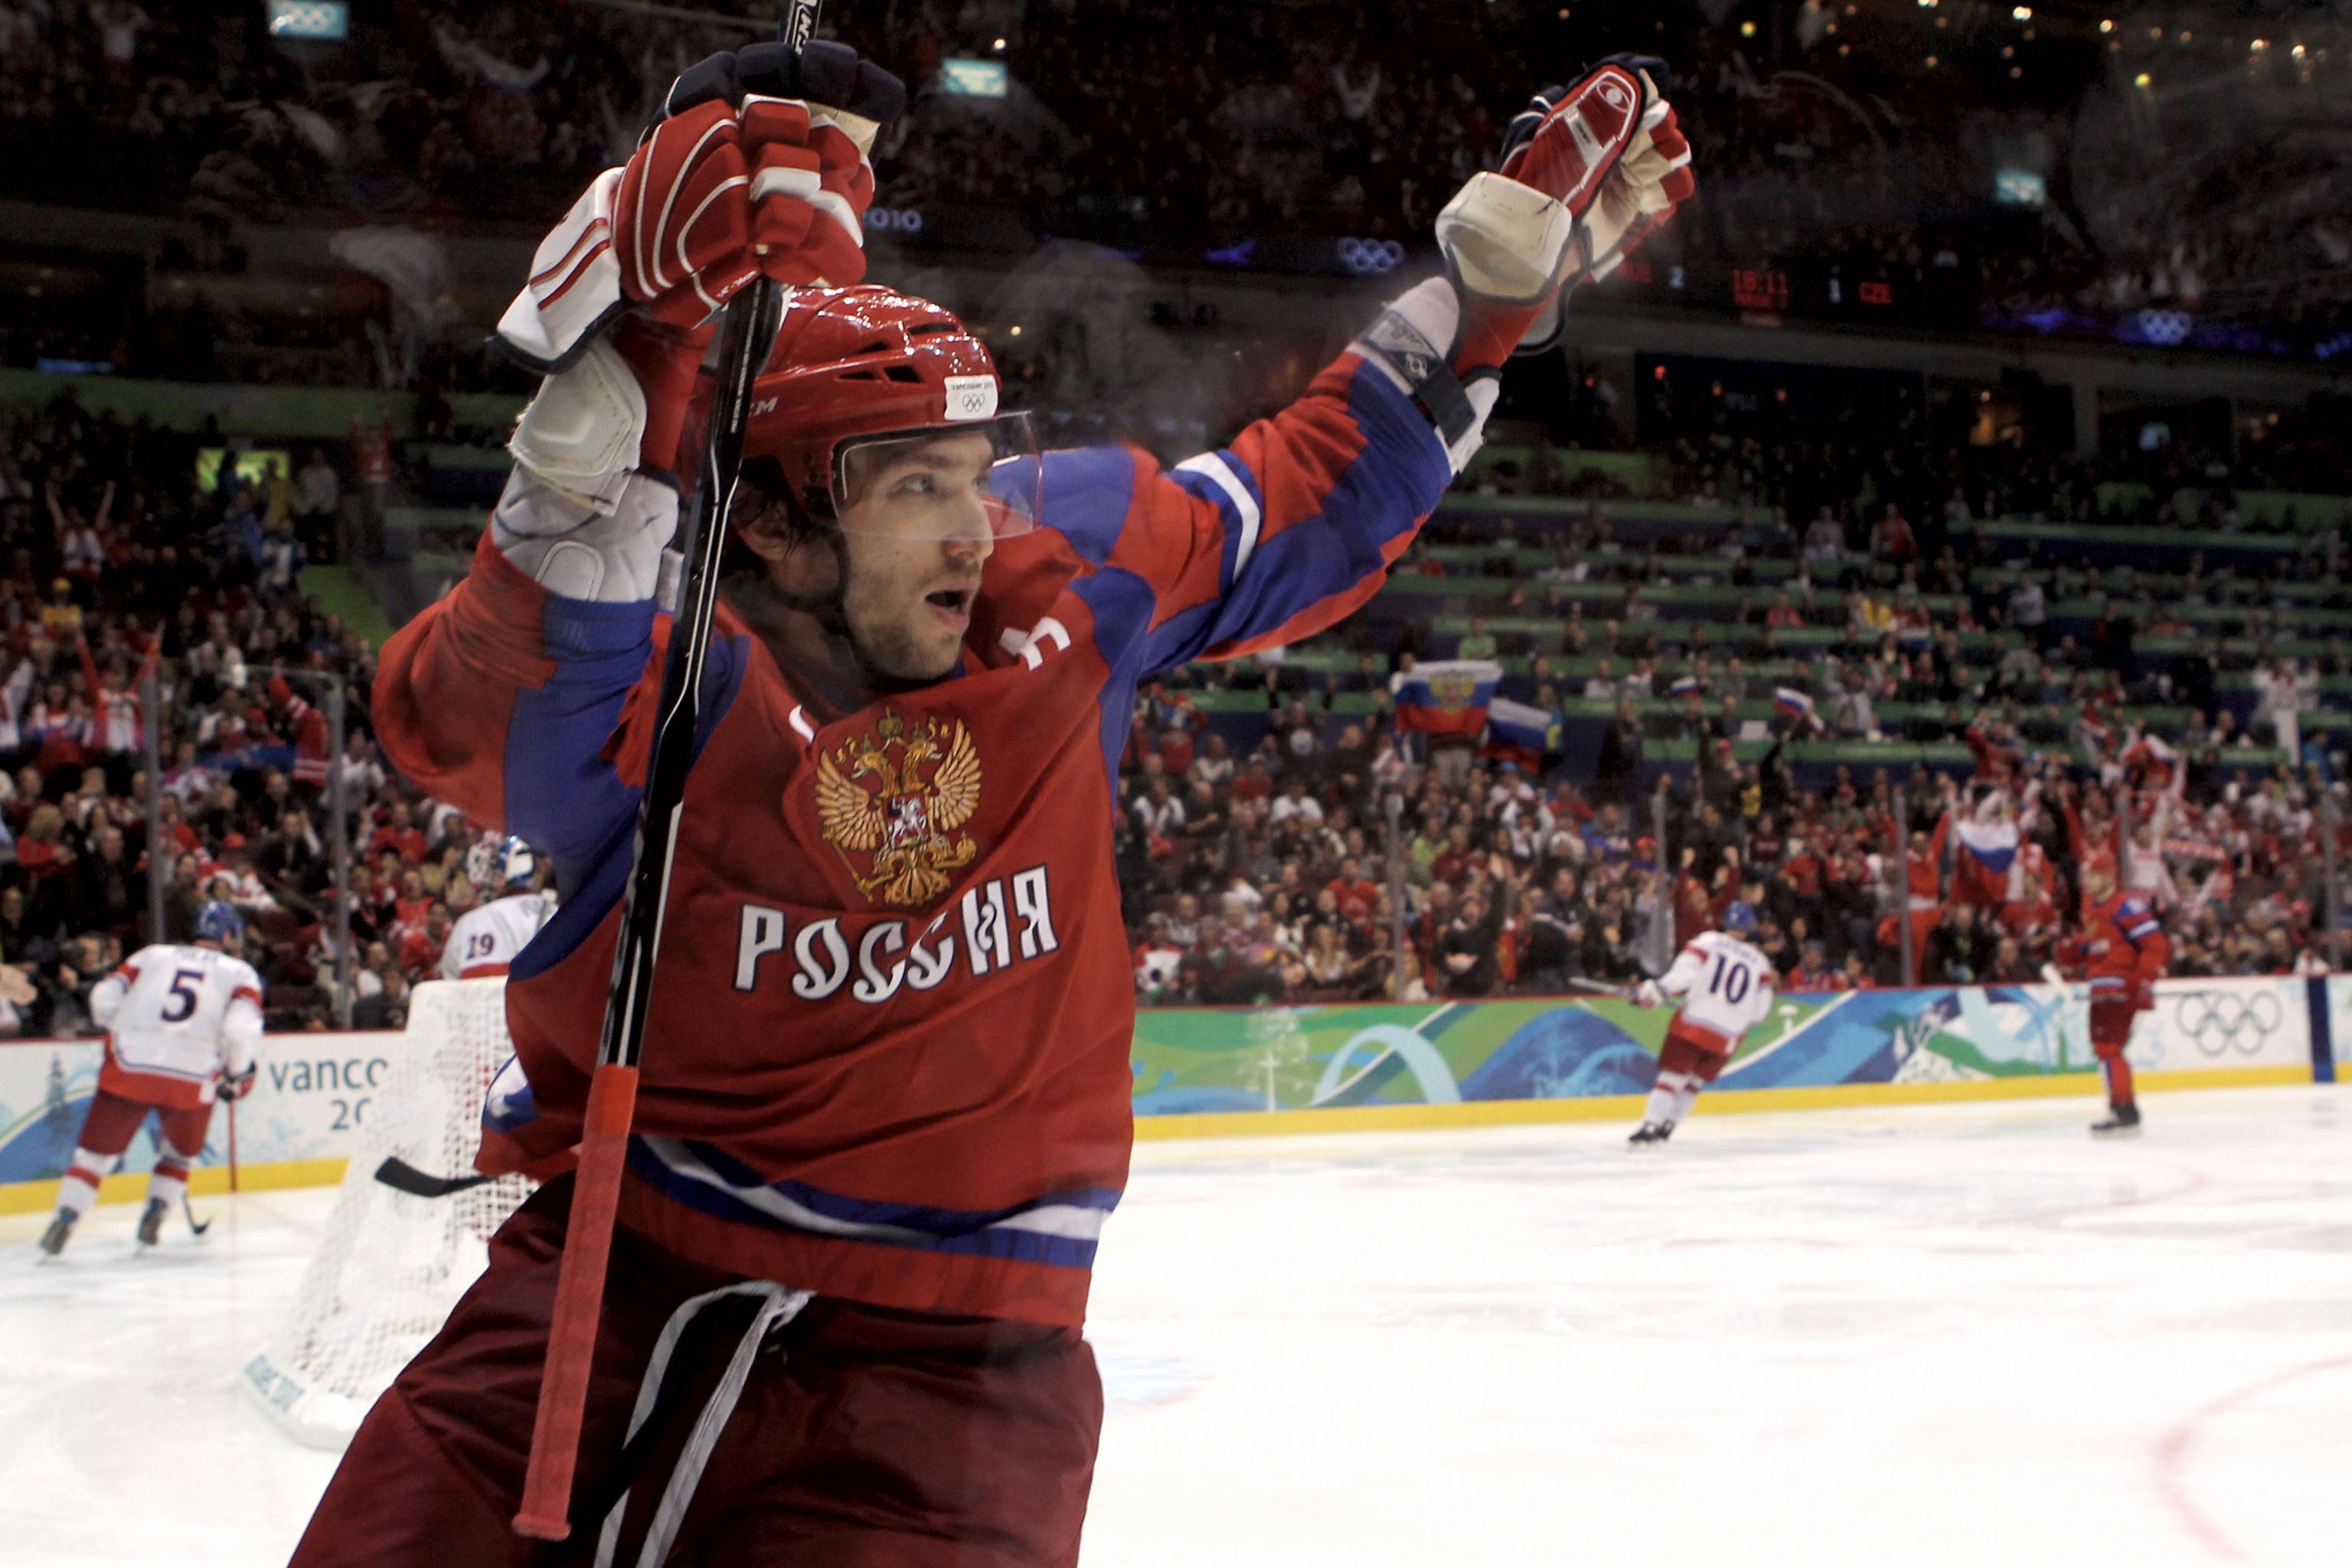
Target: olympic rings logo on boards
(2223, 1021)
(1370, 258)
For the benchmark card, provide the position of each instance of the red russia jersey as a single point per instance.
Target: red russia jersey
(2122, 942)
(887, 1052)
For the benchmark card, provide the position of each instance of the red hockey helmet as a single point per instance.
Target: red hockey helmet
(854, 368)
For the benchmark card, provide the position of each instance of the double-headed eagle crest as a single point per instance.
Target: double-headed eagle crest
(896, 833)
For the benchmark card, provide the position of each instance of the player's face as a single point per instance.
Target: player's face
(917, 534)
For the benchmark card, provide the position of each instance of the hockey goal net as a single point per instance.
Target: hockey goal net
(390, 1266)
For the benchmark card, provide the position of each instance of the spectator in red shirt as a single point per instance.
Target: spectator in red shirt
(1356, 892)
(399, 836)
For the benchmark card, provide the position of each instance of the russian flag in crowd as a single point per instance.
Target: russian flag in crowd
(1981, 875)
(1792, 702)
(1445, 696)
(1520, 732)
(1688, 686)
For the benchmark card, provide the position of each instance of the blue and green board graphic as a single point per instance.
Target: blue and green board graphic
(1192, 1061)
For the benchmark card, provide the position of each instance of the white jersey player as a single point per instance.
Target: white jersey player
(181, 1025)
(487, 938)
(1726, 989)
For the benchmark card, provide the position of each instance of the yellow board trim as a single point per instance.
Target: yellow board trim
(1611, 1107)
(204, 1180)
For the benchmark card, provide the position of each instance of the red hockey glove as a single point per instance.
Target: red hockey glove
(1512, 237)
(2141, 994)
(1580, 171)
(758, 165)
(717, 195)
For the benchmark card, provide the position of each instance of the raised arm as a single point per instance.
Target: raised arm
(509, 699)
(1294, 525)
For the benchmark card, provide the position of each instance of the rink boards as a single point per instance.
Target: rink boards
(1224, 1072)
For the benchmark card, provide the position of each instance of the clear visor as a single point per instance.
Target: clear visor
(981, 480)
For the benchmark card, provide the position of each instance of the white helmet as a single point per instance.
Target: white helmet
(499, 862)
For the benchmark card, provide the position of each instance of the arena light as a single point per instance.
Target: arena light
(2020, 14)
(2107, 25)
(2258, 46)
(2143, 82)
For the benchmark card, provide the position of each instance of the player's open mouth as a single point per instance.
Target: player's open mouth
(954, 601)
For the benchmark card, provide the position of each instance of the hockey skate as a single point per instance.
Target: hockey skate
(54, 1239)
(2122, 1121)
(1650, 1133)
(150, 1224)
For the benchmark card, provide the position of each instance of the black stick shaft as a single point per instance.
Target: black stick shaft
(745, 330)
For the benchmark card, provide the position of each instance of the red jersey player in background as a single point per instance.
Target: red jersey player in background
(884, 1106)
(2122, 951)
(1725, 986)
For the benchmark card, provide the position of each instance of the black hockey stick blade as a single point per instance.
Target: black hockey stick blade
(199, 1227)
(403, 1177)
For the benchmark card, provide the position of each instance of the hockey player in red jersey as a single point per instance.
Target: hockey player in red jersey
(884, 1104)
(2122, 951)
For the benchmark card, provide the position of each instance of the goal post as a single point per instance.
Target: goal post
(389, 1266)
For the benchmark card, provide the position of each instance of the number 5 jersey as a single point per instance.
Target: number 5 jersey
(176, 1019)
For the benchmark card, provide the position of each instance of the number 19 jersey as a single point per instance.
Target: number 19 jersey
(181, 1016)
(1725, 987)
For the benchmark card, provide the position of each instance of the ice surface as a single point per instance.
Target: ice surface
(1963, 1334)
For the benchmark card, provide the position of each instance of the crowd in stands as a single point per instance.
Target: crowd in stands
(1305, 872)
(1148, 123)
(1285, 856)
(118, 568)
(2079, 706)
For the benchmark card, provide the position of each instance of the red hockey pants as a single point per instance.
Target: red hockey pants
(864, 1438)
(2111, 1026)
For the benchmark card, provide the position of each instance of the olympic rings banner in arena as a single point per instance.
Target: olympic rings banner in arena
(1524, 1059)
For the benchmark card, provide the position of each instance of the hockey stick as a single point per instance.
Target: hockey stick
(199, 1227)
(403, 1177)
(746, 329)
(232, 1149)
